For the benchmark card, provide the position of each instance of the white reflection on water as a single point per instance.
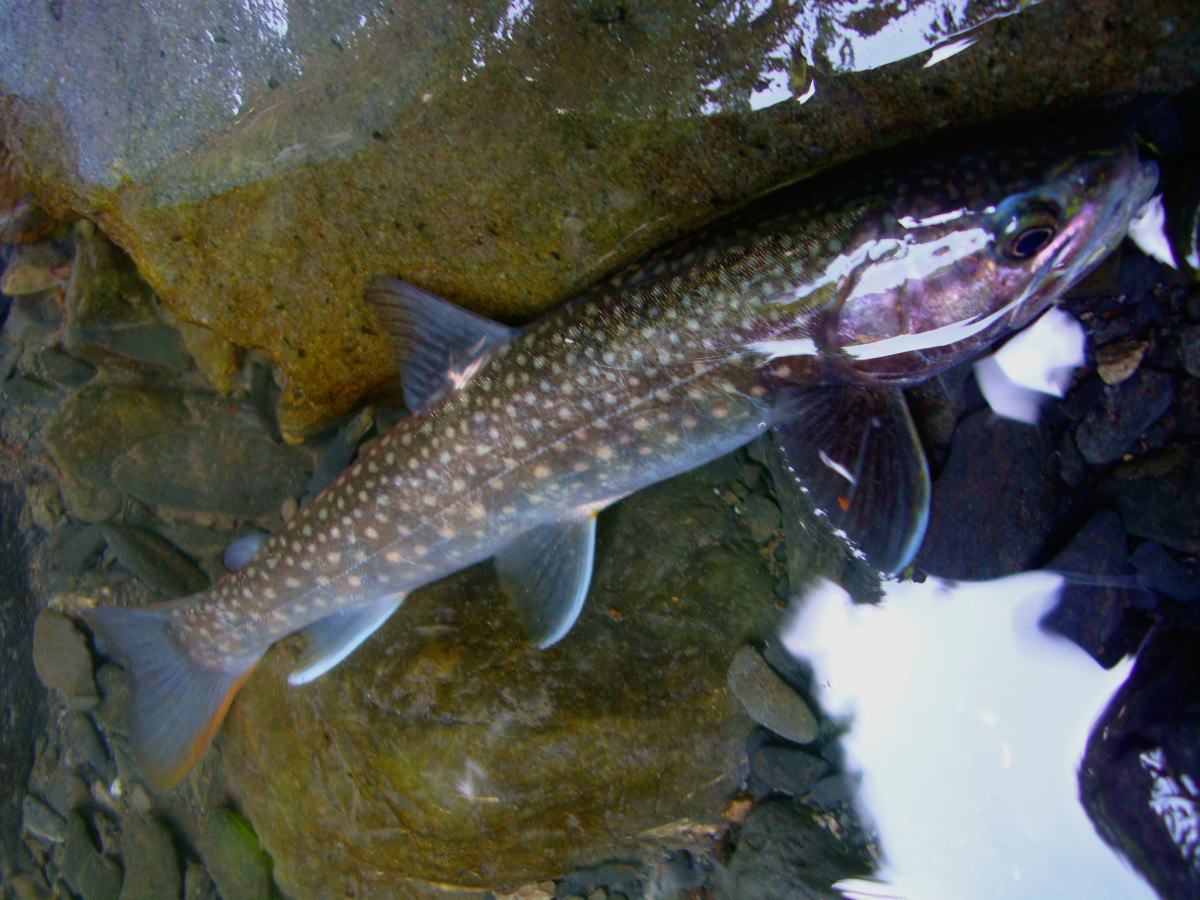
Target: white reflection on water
(968, 725)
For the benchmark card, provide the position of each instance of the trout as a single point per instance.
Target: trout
(803, 314)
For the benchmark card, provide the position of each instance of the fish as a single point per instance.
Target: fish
(803, 314)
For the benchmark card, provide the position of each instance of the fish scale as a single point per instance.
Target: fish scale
(802, 314)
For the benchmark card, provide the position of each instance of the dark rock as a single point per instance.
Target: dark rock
(222, 464)
(1123, 413)
(761, 516)
(45, 503)
(1139, 775)
(1162, 573)
(1189, 349)
(832, 791)
(1158, 497)
(197, 885)
(994, 504)
(90, 875)
(1101, 618)
(101, 423)
(32, 270)
(41, 821)
(83, 745)
(787, 769)
(112, 312)
(32, 317)
(783, 854)
(154, 559)
(624, 877)
(63, 660)
(1187, 407)
(768, 699)
(151, 862)
(29, 390)
(64, 368)
(113, 711)
(76, 547)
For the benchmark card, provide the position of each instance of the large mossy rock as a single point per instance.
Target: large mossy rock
(260, 162)
(448, 752)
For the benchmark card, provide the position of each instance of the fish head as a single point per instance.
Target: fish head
(976, 246)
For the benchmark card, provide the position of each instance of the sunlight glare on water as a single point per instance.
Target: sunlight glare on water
(967, 724)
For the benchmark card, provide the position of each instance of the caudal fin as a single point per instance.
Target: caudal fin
(177, 702)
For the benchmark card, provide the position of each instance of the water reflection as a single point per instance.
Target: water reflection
(968, 724)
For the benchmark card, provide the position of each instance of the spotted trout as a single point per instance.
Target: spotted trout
(803, 314)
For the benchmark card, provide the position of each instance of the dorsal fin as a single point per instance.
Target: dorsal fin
(438, 345)
(546, 571)
(854, 453)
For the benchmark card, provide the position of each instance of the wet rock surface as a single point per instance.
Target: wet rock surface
(320, 147)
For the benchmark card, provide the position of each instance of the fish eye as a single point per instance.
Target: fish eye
(1028, 229)
(1029, 242)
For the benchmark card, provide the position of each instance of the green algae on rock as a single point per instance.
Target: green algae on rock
(450, 752)
(504, 158)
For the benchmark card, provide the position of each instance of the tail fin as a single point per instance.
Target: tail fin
(177, 702)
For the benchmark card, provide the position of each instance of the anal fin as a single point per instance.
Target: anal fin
(330, 640)
(439, 346)
(855, 455)
(546, 572)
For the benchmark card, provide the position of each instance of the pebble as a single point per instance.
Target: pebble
(768, 699)
(62, 659)
(65, 369)
(41, 821)
(1124, 411)
(1117, 362)
(235, 859)
(83, 744)
(31, 270)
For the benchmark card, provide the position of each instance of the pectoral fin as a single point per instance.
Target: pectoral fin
(332, 639)
(546, 572)
(855, 455)
(439, 346)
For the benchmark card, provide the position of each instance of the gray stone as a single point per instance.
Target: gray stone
(63, 660)
(154, 559)
(787, 769)
(768, 699)
(1122, 414)
(41, 821)
(29, 390)
(762, 517)
(91, 876)
(151, 861)
(45, 503)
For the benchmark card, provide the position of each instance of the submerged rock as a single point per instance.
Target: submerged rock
(266, 161)
(446, 750)
(63, 660)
